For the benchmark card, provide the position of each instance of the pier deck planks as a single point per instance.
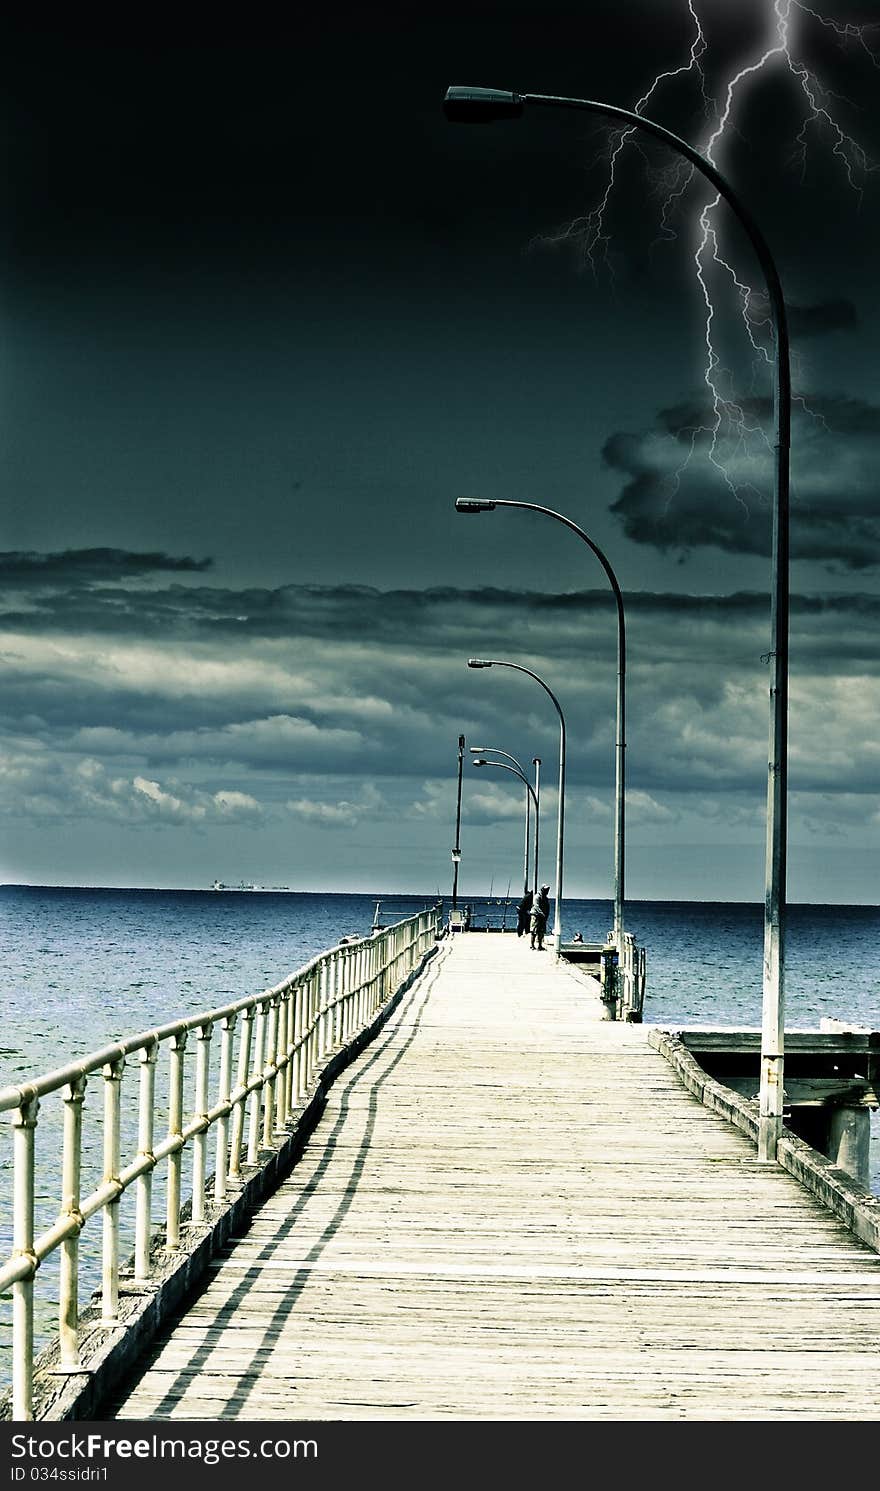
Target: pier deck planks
(512, 1209)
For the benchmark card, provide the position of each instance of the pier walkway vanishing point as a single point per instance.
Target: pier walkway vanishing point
(513, 1209)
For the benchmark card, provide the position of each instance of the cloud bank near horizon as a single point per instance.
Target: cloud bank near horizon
(201, 711)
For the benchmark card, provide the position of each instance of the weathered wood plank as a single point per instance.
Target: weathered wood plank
(511, 1210)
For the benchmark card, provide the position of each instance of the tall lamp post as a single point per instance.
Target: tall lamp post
(486, 104)
(536, 762)
(497, 751)
(456, 853)
(477, 662)
(531, 796)
(478, 505)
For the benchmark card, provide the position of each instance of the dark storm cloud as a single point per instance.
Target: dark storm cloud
(819, 320)
(435, 620)
(676, 499)
(89, 566)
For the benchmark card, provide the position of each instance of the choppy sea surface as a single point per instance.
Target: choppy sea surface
(79, 967)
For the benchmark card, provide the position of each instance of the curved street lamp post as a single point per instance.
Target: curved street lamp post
(476, 662)
(483, 105)
(531, 797)
(479, 505)
(456, 853)
(536, 762)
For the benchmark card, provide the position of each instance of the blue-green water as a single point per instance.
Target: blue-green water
(80, 967)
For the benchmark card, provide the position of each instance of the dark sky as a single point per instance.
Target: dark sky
(265, 312)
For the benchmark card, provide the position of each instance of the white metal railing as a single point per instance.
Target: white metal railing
(272, 1046)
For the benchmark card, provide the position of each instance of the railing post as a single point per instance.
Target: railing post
(366, 966)
(227, 1035)
(143, 1222)
(306, 1049)
(112, 1074)
(324, 1020)
(378, 987)
(368, 984)
(334, 995)
(279, 1084)
(357, 979)
(290, 1028)
(200, 1141)
(387, 980)
(297, 1062)
(347, 966)
(241, 1081)
(253, 1152)
(341, 995)
(175, 1129)
(326, 970)
(68, 1282)
(314, 1020)
(24, 1124)
(282, 1061)
(303, 1067)
(333, 982)
(270, 1075)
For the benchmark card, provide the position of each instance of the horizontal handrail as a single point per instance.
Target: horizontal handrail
(272, 1049)
(13, 1096)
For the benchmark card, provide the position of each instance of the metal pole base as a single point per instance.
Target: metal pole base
(769, 1131)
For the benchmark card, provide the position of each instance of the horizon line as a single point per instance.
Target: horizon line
(420, 895)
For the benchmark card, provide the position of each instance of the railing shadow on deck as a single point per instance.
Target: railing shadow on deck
(285, 1046)
(371, 1076)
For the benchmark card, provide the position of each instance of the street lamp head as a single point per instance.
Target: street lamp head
(479, 750)
(464, 105)
(480, 763)
(478, 662)
(473, 505)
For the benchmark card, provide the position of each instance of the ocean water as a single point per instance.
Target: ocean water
(80, 967)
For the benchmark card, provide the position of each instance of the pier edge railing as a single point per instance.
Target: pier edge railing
(856, 1206)
(272, 1046)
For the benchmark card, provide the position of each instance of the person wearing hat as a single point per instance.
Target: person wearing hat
(540, 913)
(524, 913)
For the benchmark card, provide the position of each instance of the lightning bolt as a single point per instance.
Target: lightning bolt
(731, 431)
(847, 31)
(591, 230)
(728, 417)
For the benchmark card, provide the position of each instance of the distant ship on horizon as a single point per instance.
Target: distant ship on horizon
(248, 885)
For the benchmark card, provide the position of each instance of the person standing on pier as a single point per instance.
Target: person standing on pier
(523, 913)
(539, 915)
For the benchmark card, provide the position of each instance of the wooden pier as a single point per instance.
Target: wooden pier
(512, 1209)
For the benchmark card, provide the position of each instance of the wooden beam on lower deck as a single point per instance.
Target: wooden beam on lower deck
(512, 1209)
